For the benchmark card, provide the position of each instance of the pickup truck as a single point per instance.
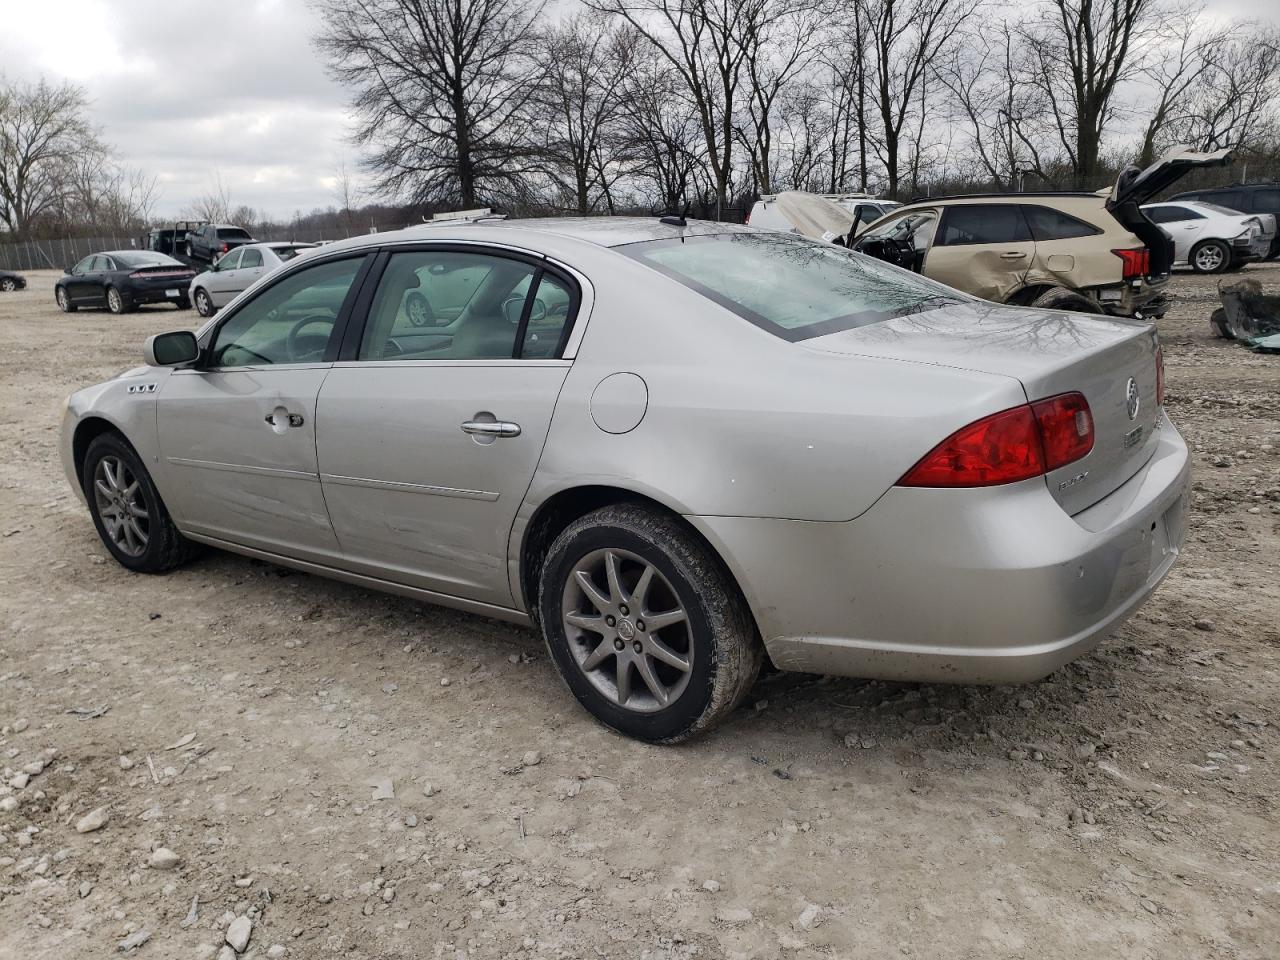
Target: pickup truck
(212, 241)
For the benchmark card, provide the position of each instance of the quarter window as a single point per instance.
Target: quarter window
(1049, 224)
(289, 322)
(983, 223)
(451, 305)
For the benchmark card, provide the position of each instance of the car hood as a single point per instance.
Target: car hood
(1029, 345)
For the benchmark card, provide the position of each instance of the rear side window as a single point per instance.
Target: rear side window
(1172, 214)
(1049, 224)
(982, 223)
(790, 286)
(1266, 201)
(1234, 201)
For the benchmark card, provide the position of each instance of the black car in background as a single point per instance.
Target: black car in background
(121, 280)
(11, 281)
(1245, 197)
(214, 240)
(171, 240)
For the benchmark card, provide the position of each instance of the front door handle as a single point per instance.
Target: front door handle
(491, 428)
(1012, 255)
(289, 419)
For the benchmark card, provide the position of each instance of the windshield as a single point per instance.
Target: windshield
(144, 259)
(790, 286)
(232, 233)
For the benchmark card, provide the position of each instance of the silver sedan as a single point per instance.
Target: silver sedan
(237, 271)
(675, 450)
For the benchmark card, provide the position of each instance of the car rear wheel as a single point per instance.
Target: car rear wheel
(1210, 256)
(645, 625)
(8, 285)
(127, 510)
(1060, 298)
(116, 302)
(64, 301)
(204, 304)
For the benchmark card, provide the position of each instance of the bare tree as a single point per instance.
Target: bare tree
(441, 90)
(1235, 102)
(215, 205)
(906, 38)
(1082, 51)
(346, 192)
(44, 132)
(584, 66)
(1176, 68)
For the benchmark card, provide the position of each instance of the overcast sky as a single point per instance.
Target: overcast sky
(190, 90)
(193, 90)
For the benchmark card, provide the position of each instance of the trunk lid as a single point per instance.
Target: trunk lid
(1049, 353)
(1135, 187)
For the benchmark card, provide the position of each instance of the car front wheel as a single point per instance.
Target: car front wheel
(64, 301)
(127, 510)
(645, 625)
(1210, 256)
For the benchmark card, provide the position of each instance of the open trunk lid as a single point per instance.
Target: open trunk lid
(1111, 362)
(1135, 186)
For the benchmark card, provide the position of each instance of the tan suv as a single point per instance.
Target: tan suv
(1089, 252)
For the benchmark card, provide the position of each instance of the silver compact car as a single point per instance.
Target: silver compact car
(674, 449)
(237, 271)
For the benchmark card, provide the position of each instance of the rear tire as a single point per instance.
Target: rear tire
(1060, 298)
(8, 285)
(127, 510)
(116, 302)
(204, 303)
(1209, 256)
(662, 689)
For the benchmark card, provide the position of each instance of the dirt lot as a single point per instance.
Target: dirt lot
(1126, 806)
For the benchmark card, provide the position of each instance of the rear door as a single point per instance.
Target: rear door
(984, 249)
(433, 424)
(238, 434)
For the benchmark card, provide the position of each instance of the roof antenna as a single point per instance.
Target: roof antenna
(677, 219)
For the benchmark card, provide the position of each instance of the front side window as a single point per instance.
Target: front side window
(915, 228)
(983, 223)
(230, 262)
(84, 266)
(289, 322)
(450, 305)
(792, 287)
(250, 258)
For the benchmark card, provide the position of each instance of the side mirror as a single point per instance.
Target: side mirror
(66, 270)
(171, 349)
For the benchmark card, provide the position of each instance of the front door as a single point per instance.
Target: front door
(238, 435)
(429, 437)
(221, 279)
(982, 249)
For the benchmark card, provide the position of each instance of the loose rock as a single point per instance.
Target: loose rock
(239, 932)
(93, 820)
(162, 858)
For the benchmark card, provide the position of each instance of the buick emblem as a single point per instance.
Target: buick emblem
(1132, 400)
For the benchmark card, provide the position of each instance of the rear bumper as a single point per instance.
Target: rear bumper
(171, 291)
(994, 585)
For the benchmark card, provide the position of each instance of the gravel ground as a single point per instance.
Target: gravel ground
(343, 773)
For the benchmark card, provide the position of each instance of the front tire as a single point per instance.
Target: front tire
(64, 301)
(127, 510)
(1210, 256)
(645, 626)
(204, 303)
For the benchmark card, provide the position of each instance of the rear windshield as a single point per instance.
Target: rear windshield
(144, 259)
(232, 233)
(1216, 208)
(790, 286)
(288, 253)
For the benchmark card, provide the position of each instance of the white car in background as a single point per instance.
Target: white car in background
(766, 215)
(1209, 238)
(234, 273)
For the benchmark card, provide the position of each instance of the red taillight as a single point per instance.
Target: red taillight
(1066, 429)
(225, 248)
(1137, 262)
(1159, 376)
(1012, 445)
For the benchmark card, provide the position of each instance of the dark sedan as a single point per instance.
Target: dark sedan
(121, 280)
(11, 281)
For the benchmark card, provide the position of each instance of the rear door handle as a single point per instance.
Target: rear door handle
(294, 419)
(1012, 255)
(491, 428)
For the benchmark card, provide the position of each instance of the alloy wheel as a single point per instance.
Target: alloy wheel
(8, 285)
(627, 629)
(62, 299)
(114, 303)
(204, 306)
(118, 496)
(1209, 258)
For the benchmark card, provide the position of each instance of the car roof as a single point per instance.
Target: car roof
(1009, 197)
(599, 231)
(118, 253)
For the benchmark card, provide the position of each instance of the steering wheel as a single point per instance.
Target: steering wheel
(293, 342)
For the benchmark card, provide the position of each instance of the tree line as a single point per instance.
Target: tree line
(630, 103)
(618, 106)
